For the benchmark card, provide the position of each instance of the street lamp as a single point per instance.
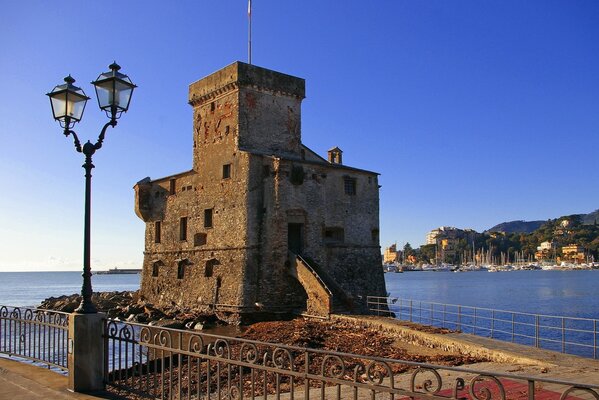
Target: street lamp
(113, 90)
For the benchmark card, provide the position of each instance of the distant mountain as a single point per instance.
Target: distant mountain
(531, 226)
(517, 227)
(589, 219)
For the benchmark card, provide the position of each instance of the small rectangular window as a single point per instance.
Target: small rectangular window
(183, 228)
(226, 171)
(334, 235)
(199, 239)
(208, 218)
(157, 231)
(227, 130)
(181, 270)
(173, 186)
(349, 186)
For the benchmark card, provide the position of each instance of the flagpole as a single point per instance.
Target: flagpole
(250, 32)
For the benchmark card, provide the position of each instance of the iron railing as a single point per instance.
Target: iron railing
(35, 334)
(166, 363)
(578, 336)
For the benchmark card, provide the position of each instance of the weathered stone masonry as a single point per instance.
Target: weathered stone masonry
(224, 236)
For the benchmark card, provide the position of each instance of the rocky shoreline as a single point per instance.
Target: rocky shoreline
(129, 306)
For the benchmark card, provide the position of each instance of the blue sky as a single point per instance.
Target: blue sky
(474, 112)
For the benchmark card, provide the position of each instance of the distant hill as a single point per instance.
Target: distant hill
(589, 219)
(531, 226)
(517, 227)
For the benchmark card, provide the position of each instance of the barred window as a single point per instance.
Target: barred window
(349, 185)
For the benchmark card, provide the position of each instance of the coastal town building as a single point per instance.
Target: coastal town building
(391, 255)
(573, 253)
(261, 225)
(546, 251)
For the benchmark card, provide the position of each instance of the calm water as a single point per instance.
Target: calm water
(567, 293)
(30, 288)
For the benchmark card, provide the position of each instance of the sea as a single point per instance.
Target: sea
(562, 293)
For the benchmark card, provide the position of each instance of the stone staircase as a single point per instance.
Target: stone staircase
(340, 302)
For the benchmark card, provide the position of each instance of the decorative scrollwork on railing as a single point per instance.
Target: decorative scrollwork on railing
(332, 367)
(145, 335)
(248, 353)
(15, 313)
(195, 343)
(359, 371)
(112, 329)
(282, 358)
(484, 393)
(4, 311)
(40, 315)
(221, 348)
(377, 371)
(428, 386)
(28, 314)
(126, 332)
(234, 393)
(163, 338)
(571, 389)
(460, 384)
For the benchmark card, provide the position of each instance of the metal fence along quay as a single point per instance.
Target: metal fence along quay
(34, 334)
(578, 336)
(164, 363)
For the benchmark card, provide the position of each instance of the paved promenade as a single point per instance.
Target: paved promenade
(25, 381)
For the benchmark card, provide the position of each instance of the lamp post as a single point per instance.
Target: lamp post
(113, 90)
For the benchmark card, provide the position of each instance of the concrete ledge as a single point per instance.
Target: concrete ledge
(491, 349)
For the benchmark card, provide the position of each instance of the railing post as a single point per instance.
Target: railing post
(474, 328)
(595, 338)
(537, 330)
(410, 310)
(512, 327)
(444, 310)
(492, 322)
(86, 352)
(459, 318)
(563, 335)
(432, 314)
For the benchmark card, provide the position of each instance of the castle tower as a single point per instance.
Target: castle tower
(261, 225)
(247, 108)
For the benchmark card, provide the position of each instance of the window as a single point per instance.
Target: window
(208, 218)
(183, 228)
(199, 239)
(209, 268)
(375, 236)
(334, 235)
(157, 231)
(173, 186)
(212, 107)
(181, 269)
(156, 268)
(349, 186)
(227, 130)
(226, 171)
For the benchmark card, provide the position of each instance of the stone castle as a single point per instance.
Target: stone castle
(261, 225)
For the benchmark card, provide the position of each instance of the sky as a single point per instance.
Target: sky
(473, 112)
